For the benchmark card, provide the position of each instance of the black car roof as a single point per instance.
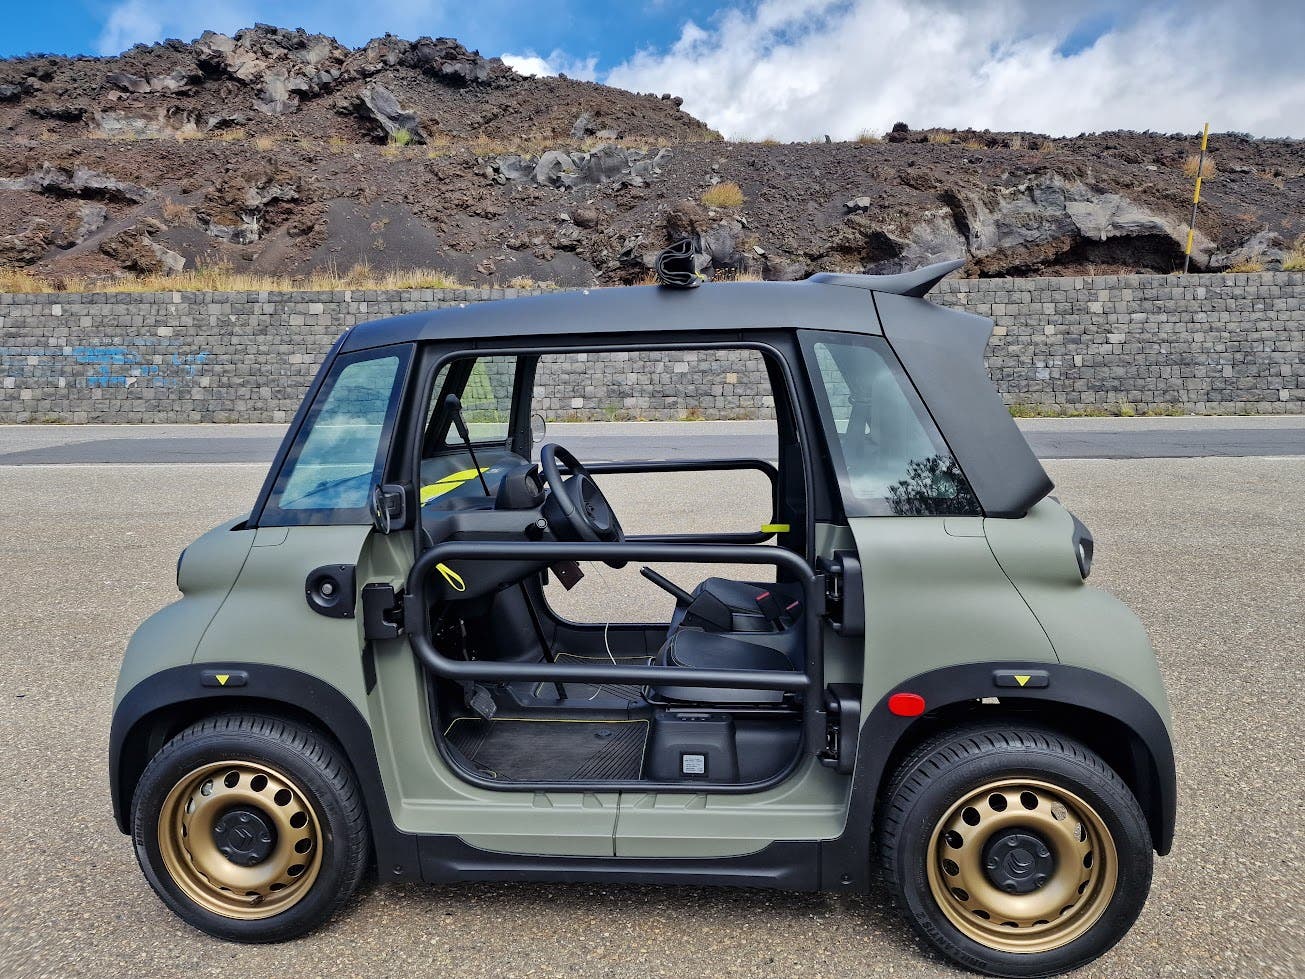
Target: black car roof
(636, 309)
(824, 302)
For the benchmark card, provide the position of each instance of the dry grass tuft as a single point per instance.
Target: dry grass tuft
(230, 135)
(941, 137)
(224, 279)
(1016, 142)
(1193, 162)
(1295, 260)
(726, 194)
(1251, 265)
(868, 136)
(264, 144)
(16, 280)
(175, 213)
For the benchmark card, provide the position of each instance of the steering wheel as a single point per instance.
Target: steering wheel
(588, 514)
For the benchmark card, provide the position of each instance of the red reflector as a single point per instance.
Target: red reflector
(906, 704)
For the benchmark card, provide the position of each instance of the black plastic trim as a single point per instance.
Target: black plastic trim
(268, 686)
(848, 859)
(791, 865)
(915, 283)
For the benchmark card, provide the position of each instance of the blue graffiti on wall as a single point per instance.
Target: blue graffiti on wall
(118, 367)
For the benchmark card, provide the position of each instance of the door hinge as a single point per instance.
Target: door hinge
(382, 611)
(843, 727)
(845, 593)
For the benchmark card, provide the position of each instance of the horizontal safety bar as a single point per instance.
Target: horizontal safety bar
(700, 465)
(417, 626)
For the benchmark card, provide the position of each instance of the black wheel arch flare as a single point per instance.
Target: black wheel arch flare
(1072, 694)
(174, 698)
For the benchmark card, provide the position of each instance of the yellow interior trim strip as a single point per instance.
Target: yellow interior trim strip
(446, 483)
(775, 528)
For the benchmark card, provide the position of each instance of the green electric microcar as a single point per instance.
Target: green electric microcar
(900, 676)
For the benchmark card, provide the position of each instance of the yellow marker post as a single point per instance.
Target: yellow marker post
(1196, 199)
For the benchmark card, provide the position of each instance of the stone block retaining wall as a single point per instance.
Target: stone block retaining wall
(1200, 343)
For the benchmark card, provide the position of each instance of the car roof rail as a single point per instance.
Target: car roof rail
(915, 283)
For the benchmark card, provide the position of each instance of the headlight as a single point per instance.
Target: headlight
(1083, 547)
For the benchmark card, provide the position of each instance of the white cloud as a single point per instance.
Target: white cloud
(557, 63)
(145, 21)
(797, 69)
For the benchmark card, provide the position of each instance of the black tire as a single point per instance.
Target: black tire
(947, 768)
(317, 769)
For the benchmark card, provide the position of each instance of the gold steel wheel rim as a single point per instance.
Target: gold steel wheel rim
(988, 851)
(240, 839)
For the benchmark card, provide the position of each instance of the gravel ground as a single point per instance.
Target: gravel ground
(1206, 550)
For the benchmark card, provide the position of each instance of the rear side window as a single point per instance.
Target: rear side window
(487, 385)
(890, 457)
(338, 456)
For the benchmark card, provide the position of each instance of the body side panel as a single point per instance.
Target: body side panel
(171, 635)
(936, 599)
(1087, 627)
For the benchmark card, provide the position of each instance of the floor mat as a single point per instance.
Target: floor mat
(532, 750)
(583, 691)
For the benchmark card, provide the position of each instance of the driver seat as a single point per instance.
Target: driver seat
(703, 650)
(723, 605)
(734, 625)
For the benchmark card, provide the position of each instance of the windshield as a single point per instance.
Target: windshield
(329, 474)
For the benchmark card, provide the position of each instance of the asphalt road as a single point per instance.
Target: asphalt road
(1206, 550)
(1051, 438)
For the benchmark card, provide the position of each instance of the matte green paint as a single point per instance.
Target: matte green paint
(935, 598)
(171, 635)
(1086, 626)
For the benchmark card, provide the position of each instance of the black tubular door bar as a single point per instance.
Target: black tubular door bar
(811, 682)
(699, 465)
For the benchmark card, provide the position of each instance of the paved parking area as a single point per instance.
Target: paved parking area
(1208, 551)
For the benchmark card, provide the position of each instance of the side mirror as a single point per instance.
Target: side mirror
(389, 507)
(538, 428)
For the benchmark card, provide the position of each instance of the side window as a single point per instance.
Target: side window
(891, 458)
(329, 473)
(484, 385)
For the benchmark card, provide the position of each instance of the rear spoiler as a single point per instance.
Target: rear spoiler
(915, 284)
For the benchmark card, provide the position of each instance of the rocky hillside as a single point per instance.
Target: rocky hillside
(284, 152)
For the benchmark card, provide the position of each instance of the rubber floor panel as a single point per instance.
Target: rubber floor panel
(533, 750)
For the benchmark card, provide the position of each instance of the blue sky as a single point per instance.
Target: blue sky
(799, 69)
(610, 32)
